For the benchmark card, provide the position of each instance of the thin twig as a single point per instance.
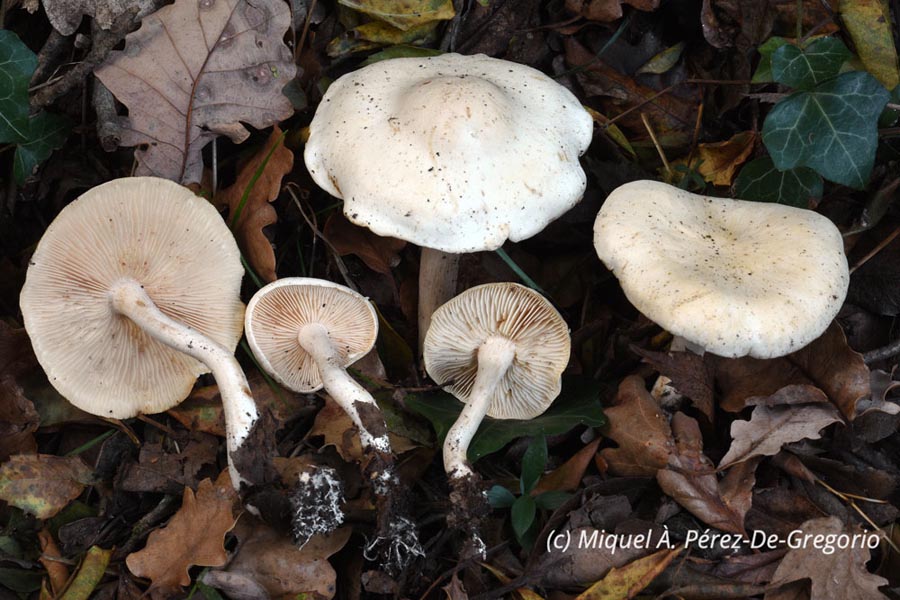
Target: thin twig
(881, 246)
(656, 144)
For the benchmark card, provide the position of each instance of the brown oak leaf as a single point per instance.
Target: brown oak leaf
(379, 253)
(196, 70)
(194, 536)
(607, 10)
(638, 426)
(247, 217)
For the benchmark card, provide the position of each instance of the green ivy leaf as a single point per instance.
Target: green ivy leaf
(759, 180)
(763, 72)
(17, 63)
(45, 133)
(831, 129)
(578, 403)
(533, 462)
(500, 497)
(806, 68)
(522, 514)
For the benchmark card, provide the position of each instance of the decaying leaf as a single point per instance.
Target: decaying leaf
(89, 574)
(65, 15)
(638, 426)
(379, 253)
(630, 580)
(196, 70)
(719, 162)
(18, 420)
(194, 536)
(57, 571)
(690, 374)
(42, 484)
(335, 426)
(168, 472)
(869, 25)
(404, 14)
(607, 10)
(567, 477)
(794, 413)
(690, 479)
(247, 216)
(269, 559)
(836, 574)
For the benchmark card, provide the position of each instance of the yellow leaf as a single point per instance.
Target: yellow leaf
(718, 162)
(869, 25)
(627, 582)
(89, 574)
(404, 14)
(610, 129)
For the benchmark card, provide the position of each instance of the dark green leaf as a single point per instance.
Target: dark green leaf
(17, 63)
(500, 497)
(45, 133)
(551, 500)
(831, 129)
(806, 68)
(759, 180)
(20, 580)
(889, 116)
(400, 51)
(533, 462)
(522, 514)
(578, 403)
(763, 72)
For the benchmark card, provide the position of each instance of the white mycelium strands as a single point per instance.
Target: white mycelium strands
(737, 278)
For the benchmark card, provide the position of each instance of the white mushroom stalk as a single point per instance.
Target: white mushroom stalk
(343, 389)
(495, 357)
(130, 299)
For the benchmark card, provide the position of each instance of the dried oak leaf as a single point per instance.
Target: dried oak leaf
(690, 479)
(793, 413)
(840, 575)
(197, 69)
(379, 253)
(637, 425)
(828, 363)
(256, 212)
(606, 11)
(268, 559)
(718, 162)
(65, 15)
(195, 535)
(43, 484)
(690, 374)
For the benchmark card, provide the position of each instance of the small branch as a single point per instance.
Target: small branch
(881, 246)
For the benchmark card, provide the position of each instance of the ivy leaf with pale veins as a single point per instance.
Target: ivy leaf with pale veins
(195, 70)
(759, 180)
(831, 129)
(17, 63)
(805, 68)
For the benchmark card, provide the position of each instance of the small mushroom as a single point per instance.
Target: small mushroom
(500, 348)
(131, 294)
(305, 332)
(735, 278)
(453, 153)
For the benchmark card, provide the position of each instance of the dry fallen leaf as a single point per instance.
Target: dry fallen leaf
(794, 413)
(256, 211)
(379, 253)
(607, 10)
(690, 479)
(630, 580)
(195, 70)
(838, 575)
(637, 425)
(567, 477)
(718, 162)
(269, 560)
(65, 15)
(335, 426)
(42, 484)
(194, 536)
(690, 374)
(57, 571)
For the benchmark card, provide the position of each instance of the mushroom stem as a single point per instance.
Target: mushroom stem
(437, 283)
(495, 356)
(129, 299)
(351, 396)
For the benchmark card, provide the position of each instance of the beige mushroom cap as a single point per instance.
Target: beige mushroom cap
(512, 311)
(456, 153)
(163, 236)
(276, 313)
(735, 277)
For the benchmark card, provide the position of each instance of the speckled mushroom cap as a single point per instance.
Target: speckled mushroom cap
(456, 153)
(276, 313)
(735, 277)
(168, 239)
(513, 311)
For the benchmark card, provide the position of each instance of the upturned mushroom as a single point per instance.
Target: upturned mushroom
(501, 348)
(453, 153)
(305, 332)
(732, 277)
(131, 294)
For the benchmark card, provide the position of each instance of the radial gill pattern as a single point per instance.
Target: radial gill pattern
(277, 312)
(460, 327)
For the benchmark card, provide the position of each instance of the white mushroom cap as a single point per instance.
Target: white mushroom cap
(735, 277)
(512, 312)
(278, 311)
(168, 239)
(457, 153)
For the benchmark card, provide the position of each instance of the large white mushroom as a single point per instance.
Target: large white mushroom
(453, 153)
(131, 294)
(735, 278)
